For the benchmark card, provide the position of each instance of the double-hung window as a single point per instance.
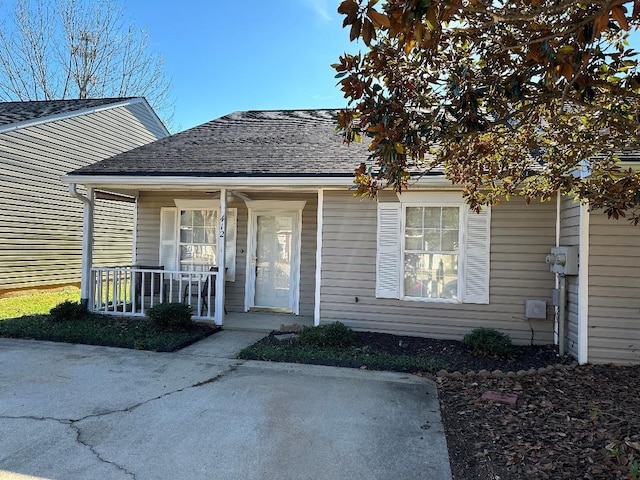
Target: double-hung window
(189, 236)
(431, 247)
(431, 252)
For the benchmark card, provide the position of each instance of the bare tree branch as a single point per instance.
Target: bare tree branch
(59, 49)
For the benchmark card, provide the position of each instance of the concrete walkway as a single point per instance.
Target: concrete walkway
(84, 412)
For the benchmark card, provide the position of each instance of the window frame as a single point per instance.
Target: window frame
(474, 278)
(170, 241)
(180, 243)
(461, 249)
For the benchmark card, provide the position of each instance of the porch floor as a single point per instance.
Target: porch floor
(263, 321)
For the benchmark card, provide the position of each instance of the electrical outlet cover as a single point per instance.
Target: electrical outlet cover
(536, 309)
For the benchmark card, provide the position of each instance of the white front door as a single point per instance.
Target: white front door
(275, 260)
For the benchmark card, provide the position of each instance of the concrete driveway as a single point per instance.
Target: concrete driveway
(83, 412)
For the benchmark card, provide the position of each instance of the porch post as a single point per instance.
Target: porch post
(87, 242)
(319, 227)
(220, 277)
(87, 248)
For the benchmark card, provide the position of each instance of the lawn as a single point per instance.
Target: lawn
(36, 302)
(26, 316)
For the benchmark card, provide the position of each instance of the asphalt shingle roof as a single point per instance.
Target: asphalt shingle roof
(253, 143)
(14, 112)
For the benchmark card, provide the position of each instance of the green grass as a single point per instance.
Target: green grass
(36, 302)
(26, 316)
(353, 356)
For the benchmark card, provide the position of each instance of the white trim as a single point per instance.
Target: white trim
(80, 112)
(273, 207)
(106, 181)
(319, 228)
(462, 227)
(556, 309)
(197, 204)
(430, 197)
(134, 250)
(583, 286)
(222, 242)
(276, 205)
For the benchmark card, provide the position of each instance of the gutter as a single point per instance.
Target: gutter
(240, 181)
(74, 193)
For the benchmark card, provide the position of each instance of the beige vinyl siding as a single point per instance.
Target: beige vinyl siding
(570, 236)
(614, 291)
(41, 227)
(521, 235)
(148, 227)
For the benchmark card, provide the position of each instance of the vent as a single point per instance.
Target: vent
(536, 309)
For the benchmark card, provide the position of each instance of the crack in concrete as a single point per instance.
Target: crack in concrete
(73, 423)
(97, 454)
(130, 408)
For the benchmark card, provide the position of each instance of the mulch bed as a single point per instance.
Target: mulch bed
(581, 422)
(459, 357)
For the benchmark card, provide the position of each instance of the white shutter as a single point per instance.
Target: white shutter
(476, 257)
(388, 251)
(168, 237)
(230, 248)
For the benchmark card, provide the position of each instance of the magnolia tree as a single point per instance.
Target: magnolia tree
(506, 97)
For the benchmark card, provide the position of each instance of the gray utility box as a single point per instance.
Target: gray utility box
(563, 260)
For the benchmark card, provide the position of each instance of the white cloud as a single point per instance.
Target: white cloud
(320, 7)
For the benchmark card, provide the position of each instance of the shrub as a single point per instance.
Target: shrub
(171, 316)
(335, 335)
(487, 341)
(68, 310)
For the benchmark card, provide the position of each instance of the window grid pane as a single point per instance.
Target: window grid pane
(431, 252)
(198, 242)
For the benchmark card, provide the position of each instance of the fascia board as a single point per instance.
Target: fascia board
(225, 181)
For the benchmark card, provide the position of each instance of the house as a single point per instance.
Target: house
(41, 223)
(264, 197)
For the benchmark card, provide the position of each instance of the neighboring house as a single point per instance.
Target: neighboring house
(41, 223)
(275, 185)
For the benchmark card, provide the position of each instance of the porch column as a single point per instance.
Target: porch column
(220, 277)
(317, 300)
(87, 242)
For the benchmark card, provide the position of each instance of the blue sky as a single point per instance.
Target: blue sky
(225, 55)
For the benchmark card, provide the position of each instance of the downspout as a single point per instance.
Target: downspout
(87, 242)
(556, 327)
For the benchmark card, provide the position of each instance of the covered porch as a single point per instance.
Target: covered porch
(265, 241)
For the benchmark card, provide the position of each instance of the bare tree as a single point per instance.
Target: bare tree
(59, 49)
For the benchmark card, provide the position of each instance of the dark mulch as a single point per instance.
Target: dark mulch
(568, 423)
(456, 356)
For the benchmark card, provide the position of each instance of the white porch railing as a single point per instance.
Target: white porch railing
(131, 291)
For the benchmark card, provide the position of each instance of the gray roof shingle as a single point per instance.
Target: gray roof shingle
(279, 143)
(15, 112)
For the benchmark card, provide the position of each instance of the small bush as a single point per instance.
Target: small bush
(68, 310)
(489, 342)
(335, 335)
(171, 316)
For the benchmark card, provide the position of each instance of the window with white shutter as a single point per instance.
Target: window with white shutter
(188, 239)
(431, 247)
